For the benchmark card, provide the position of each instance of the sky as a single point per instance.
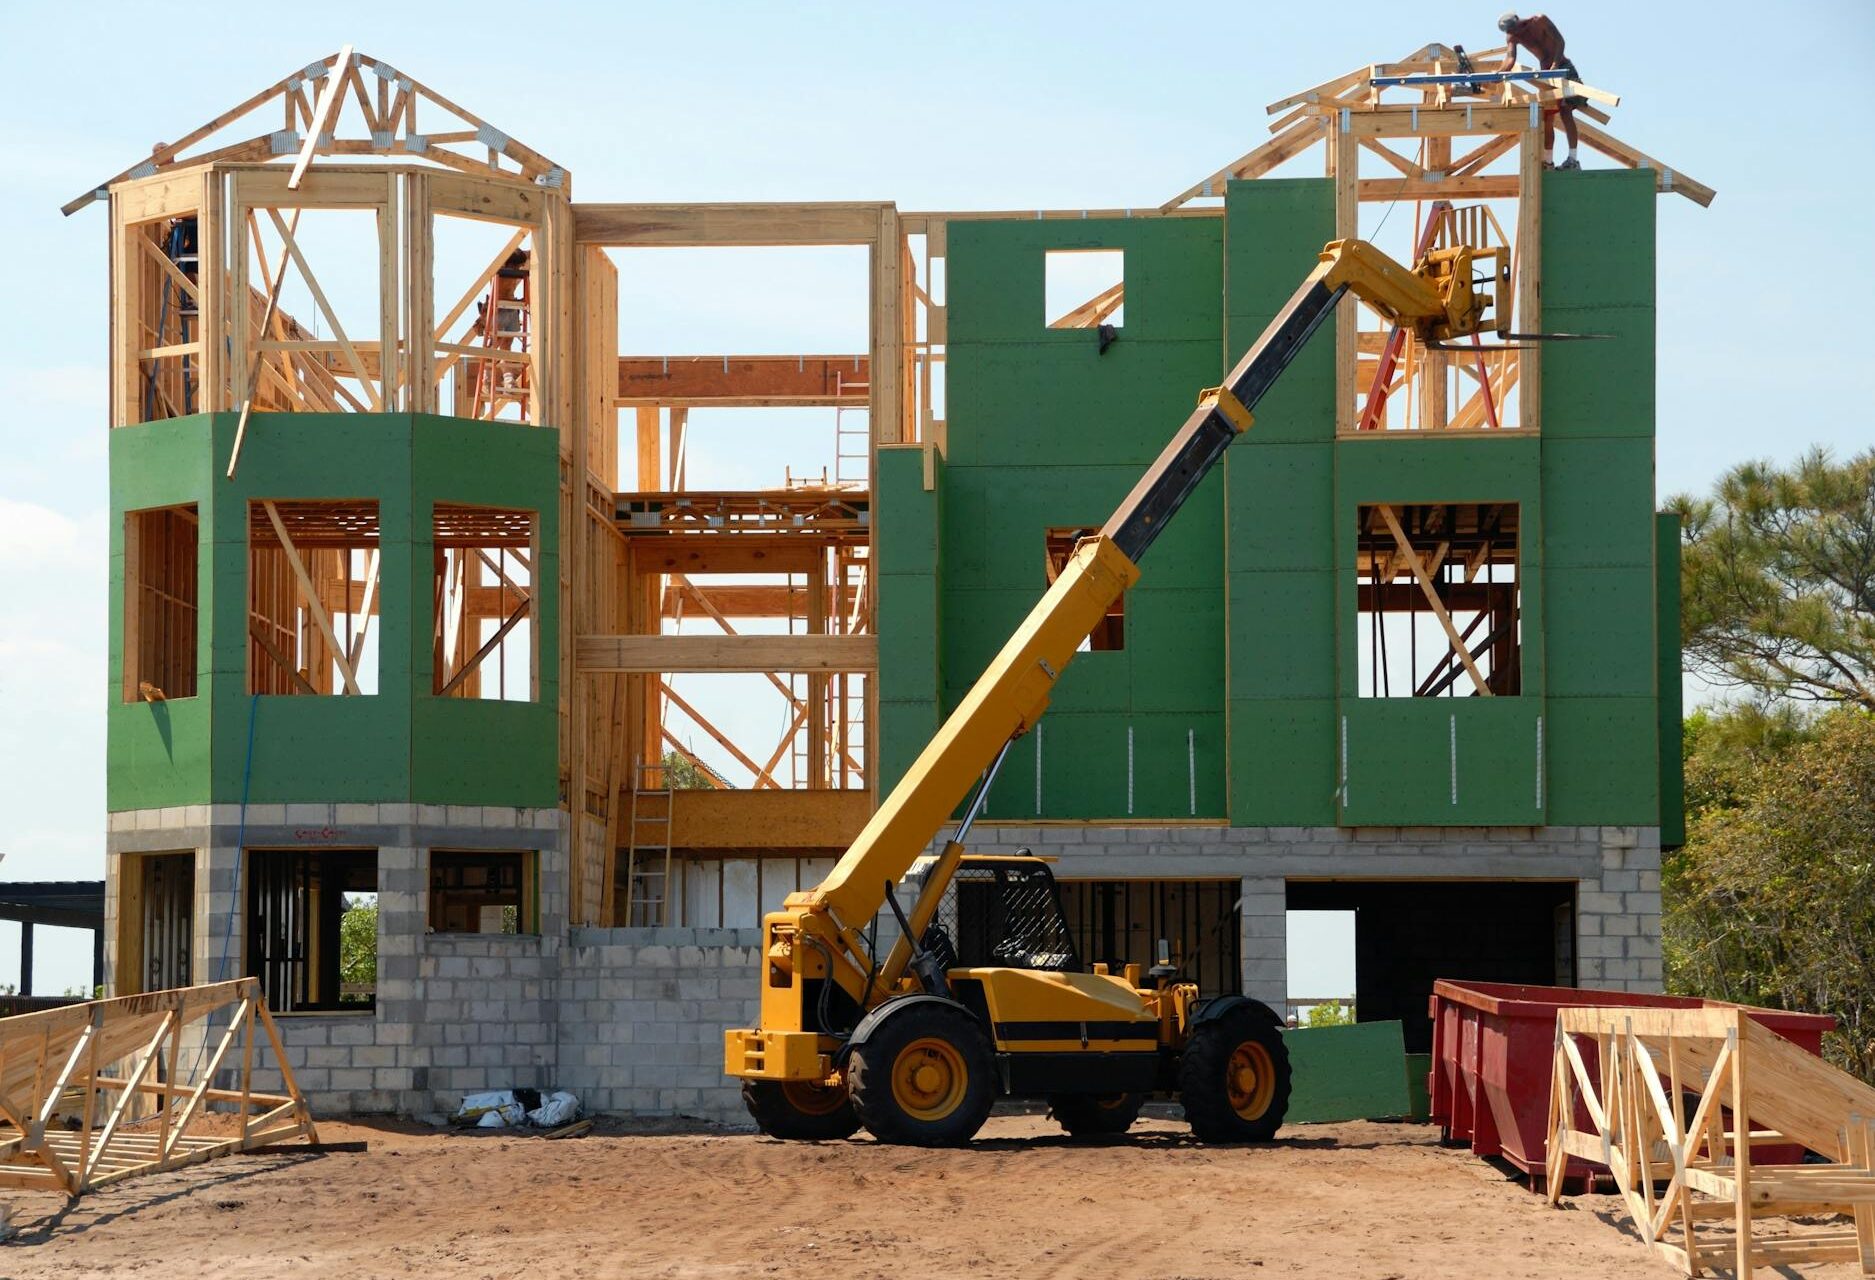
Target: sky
(1064, 104)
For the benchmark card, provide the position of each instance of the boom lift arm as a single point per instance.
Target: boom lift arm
(820, 978)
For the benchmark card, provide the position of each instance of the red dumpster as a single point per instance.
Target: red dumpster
(1492, 1046)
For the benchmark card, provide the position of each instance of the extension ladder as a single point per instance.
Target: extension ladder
(648, 864)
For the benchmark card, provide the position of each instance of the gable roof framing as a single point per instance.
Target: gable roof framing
(1427, 93)
(351, 104)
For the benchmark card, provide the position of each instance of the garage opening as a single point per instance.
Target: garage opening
(1408, 933)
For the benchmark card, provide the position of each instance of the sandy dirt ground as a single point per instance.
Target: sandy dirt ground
(1350, 1200)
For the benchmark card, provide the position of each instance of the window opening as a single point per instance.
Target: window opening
(160, 603)
(313, 594)
(1440, 608)
(313, 928)
(1084, 288)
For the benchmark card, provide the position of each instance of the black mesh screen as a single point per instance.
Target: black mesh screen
(1008, 916)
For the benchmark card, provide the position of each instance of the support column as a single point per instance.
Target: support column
(26, 957)
(1265, 951)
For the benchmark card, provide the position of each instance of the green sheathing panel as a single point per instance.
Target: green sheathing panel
(475, 751)
(399, 743)
(905, 542)
(1355, 1072)
(1602, 577)
(1667, 602)
(156, 753)
(1459, 761)
(1045, 431)
(313, 748)
(1279, 503)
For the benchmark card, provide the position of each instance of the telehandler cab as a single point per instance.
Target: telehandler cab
(982, 993)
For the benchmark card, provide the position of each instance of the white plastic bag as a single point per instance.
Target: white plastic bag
(498, 1103)
(554, 1110)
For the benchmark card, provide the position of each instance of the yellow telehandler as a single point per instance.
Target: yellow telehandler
(918, 1043)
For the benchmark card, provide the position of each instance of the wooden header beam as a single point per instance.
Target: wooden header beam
(727, 225)
(743, 381)
(663, 654)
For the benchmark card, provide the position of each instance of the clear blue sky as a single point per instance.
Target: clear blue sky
(1063, 104)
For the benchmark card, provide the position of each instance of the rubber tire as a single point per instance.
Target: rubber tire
(1086, 1115)
(869, 1076)
(1202, 1073)
(776, 1116)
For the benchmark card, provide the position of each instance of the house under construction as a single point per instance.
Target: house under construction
(413, 602)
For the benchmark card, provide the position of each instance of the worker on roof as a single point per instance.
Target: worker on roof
(1545, 43)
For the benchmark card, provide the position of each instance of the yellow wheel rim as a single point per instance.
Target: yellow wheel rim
(1250, 1079)
(929, 1079)
(812, 1099)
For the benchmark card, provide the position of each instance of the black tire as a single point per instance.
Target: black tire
(925, 1077)
(799, 1110)
(1234, 1078)
(1093, 1115)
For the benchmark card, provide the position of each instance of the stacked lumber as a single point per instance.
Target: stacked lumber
(94, 1093)
(1679, 1099)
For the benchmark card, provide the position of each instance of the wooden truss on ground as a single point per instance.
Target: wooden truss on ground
(1678, 1099)
(95, 1093)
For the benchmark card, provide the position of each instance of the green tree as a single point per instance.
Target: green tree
(358, 945)
(1772, 900)
(681, 773)
(1330, 1015)
(1778, 579)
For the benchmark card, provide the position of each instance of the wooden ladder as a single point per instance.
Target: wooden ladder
(852, 436)
(648, 865)
(505, 326)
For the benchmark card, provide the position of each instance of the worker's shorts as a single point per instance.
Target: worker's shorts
(1570, 67)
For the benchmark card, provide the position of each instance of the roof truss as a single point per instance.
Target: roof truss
(1436, 94)
(348, 104)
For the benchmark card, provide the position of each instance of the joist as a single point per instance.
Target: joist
(753, 653)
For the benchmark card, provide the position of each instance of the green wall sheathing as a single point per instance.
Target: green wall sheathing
(1455, 761)
(1248, 695)
(1355, 1072)
(400, 743)
(1602, 663)
(905, 544)
(1279, 544)
(1045, 431)
(1672, 744)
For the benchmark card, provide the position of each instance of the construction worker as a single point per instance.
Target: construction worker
(1545, 43)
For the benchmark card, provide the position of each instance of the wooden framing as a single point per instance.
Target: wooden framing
(1676, 1101)
(140, 1099)
(668, 653)
(385, 123)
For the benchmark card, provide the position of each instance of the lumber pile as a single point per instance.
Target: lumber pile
(94, 1093)
(1677, 1100)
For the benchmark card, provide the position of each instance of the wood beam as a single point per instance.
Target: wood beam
(1432, 598)
(742, 381)
(309, 595)
(739, 819)
(702, 225)
(662, 654)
